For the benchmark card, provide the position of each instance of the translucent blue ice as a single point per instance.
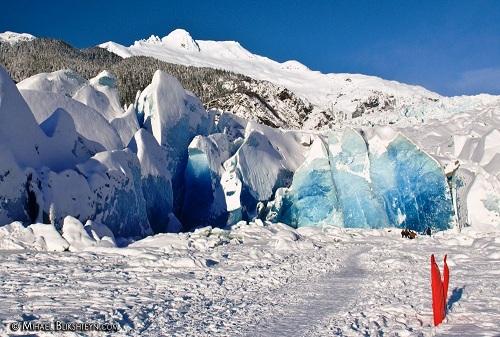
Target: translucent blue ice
(311, 199)
(353, 187)
(350, 169)
(413, 186)
(198, 197)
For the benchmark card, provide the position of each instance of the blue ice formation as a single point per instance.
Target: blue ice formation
(350, 168)
(312, 197)
(413, 185)
(351, 186)
(204, 201)
(155, 180)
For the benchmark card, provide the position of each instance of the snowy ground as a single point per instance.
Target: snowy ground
(260, 281)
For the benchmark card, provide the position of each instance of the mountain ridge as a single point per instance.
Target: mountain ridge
(227, 77)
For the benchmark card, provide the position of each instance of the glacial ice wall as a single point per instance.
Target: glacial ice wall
(311, 199)
(204, 202)
(178, 169)
(348, 185)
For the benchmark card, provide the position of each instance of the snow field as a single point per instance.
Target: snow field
(260, 281)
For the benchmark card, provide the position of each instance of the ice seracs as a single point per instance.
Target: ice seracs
(168, 165)
(312, 198)
(174, 117)
(115, 179)
(343, 182)
(156, 181)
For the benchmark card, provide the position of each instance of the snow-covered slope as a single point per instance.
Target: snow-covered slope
(12, 37)
(326, 91)
(335, 97)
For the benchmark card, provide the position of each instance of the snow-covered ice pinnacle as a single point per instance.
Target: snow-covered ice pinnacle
(174, 117)
(102, 95)
(155, 179)
(19, 131)
(76, 235)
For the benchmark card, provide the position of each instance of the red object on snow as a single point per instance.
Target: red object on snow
(438, 301)
(446, 282)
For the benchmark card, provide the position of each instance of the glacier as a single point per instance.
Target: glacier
(350, 167)
(348, 185)
(165, 164)
(312, 198)
(204, 201)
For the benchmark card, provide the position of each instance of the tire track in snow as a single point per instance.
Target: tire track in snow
(332, 293)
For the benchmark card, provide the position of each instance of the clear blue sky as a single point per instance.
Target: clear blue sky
(452, 47)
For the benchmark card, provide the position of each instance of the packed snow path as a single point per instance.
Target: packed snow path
(332, 293)
(269, 280)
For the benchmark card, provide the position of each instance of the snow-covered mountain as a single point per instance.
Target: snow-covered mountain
(322, 90)
(335, 97)
(256, 100)
(12, 37)
(285, 95)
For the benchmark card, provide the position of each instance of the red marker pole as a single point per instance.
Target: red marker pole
(437, 293)
(446, 282)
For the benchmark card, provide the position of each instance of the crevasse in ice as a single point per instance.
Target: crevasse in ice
(204, 202)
